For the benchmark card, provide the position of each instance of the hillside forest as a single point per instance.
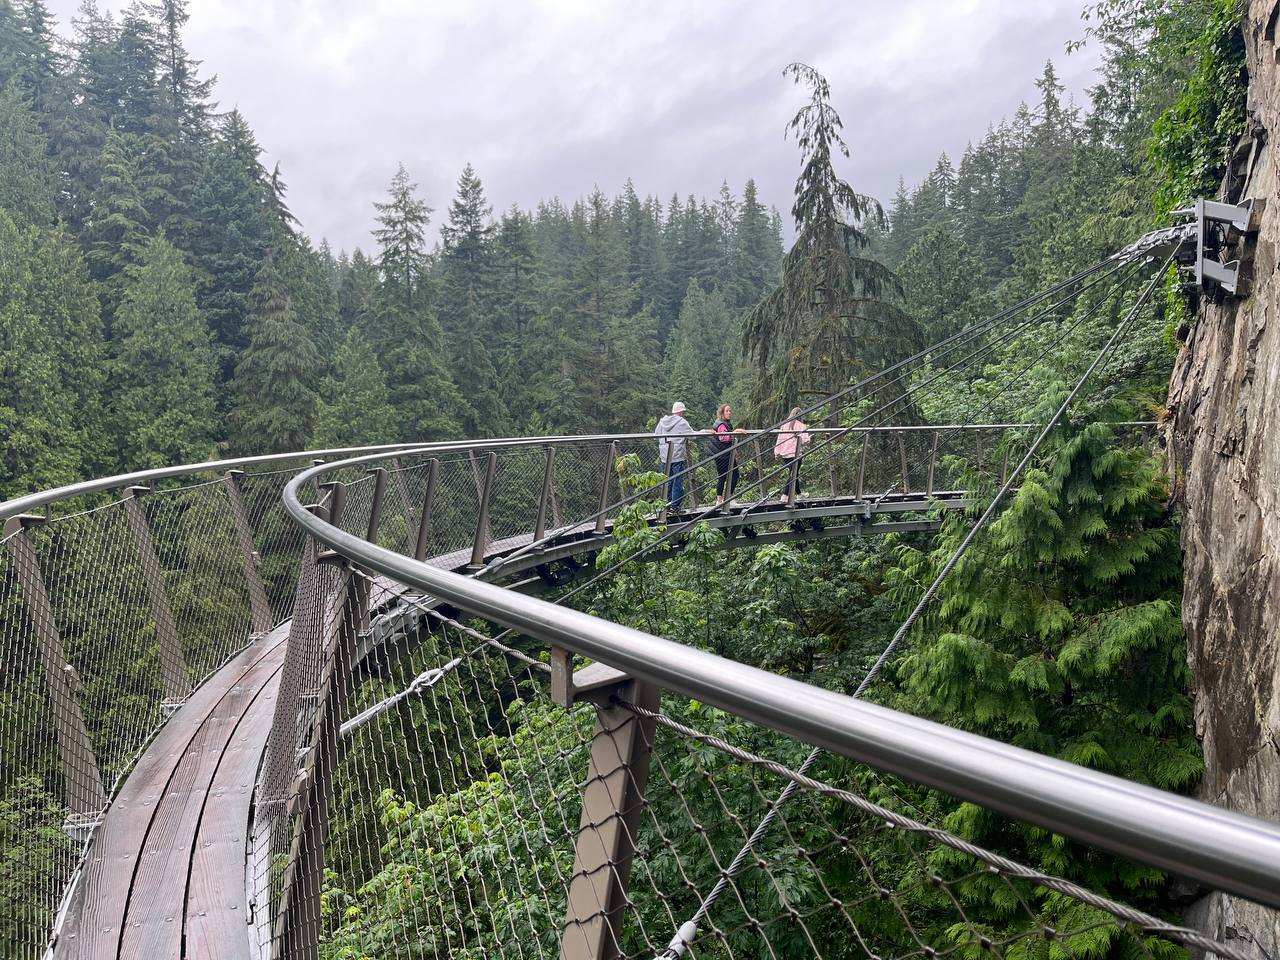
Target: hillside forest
(159, 303)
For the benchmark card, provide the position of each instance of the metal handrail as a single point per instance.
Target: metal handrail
(43, 498)
(1226, 850)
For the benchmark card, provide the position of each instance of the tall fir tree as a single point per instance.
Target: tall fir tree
(833, 315)
(161, 402)
(51, 361)
(403, 328)
(233, 235)
(354, 406)
(277, 374)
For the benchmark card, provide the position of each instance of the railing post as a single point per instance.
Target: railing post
(81, 777)
(978, 435)
(933, 459)
(483, 536)
(612, 802)
(862, 464)
(260, 618)
(1004, 465)
(297, 932)
(832, 459)
(793, 477)
(173, 666)
(428, 501)
(666, 485)
(375, 508)
(760, 468)
(902, 452)
(730, 486)
(609, 467)
(548, 489)
(304, 630)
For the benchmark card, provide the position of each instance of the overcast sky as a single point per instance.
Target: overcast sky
(550, 98)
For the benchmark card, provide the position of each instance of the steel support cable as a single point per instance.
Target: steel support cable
(1030, 365)
(964, 363)
(970, 332)
(1006, 867)
(675, 530)
(688, 931)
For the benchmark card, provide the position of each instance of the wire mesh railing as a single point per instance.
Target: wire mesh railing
(487, 800)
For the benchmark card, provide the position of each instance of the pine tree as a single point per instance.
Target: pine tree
(51, 361)
(276, 377)
(162, 368)
(942, 281)
(233, 235)
(832, 316)
(403, 328)
(759, 258)
(699, 353)
(1060, 631)
(354, 408)
(119, 227)
(466, 261)
(27, 180)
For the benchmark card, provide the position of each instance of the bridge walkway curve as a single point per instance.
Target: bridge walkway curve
(165, 876)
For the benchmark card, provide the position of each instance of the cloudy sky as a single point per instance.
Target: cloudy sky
(551, 97)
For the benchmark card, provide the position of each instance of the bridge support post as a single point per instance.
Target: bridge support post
(423, 538)
(485, 490)
(612, 803)
(173, 665)
(760, 469)
(82, 789)
(375, 508)
(548, 491)
(260, 617)
(609, 467)
(902, 452)
(862, 463)
(297, 675)
(297, 931)
(933, 461)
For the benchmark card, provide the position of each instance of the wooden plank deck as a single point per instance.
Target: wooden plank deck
(131, 900)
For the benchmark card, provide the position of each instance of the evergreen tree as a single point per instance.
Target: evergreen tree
(354, 408)
(162, 368)
(1059, 631)
(467, 258)
(276, 376)
(51, 361)
(831, 317)
(27, 179)
(403, 328)
(119, 227)
(942, 282)
(233, 235)
(758, 261)
(698, 360)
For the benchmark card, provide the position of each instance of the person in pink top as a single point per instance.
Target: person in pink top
(793, 437)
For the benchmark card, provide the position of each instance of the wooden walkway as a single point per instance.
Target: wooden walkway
(165, 874)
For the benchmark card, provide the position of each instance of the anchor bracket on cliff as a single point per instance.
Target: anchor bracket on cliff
(1224, 235)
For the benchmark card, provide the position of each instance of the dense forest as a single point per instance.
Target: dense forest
(164, 305)
(160, 303)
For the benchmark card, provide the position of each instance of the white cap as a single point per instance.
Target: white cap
(677, 407)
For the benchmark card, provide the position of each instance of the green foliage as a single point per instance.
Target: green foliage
(833, 313)
(1191, 139)
(275, 380)
(162, 366)
(354, 409)
(32, 848)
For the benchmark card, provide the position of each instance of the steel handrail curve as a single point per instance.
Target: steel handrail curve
(1223, 849)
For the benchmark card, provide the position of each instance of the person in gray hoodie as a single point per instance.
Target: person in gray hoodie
(673, 450)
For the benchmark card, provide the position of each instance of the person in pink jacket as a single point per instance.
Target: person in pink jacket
(793, 437)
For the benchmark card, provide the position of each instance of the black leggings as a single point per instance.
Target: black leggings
(722, 474)
(793, 471)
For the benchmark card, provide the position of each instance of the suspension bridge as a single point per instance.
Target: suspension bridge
(335, 703)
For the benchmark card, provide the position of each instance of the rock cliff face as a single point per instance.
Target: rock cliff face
(1225, 446)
